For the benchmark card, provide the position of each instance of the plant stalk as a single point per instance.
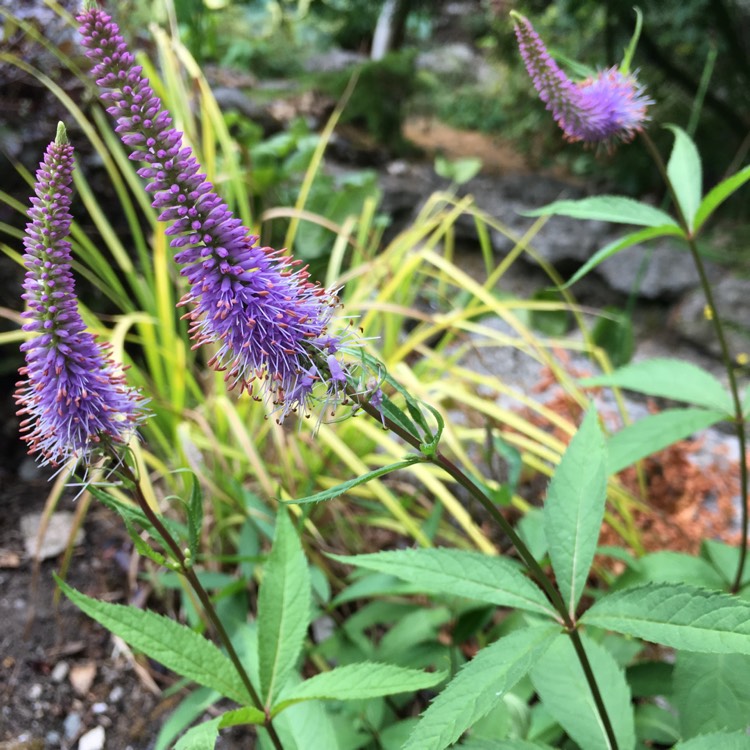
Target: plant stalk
(739, 418)
(205, 601)
(536, 570)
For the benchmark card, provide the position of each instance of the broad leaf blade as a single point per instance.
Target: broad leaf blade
(175, 646)
(718, 194)
(716, 741)
(560, 681)
(657, 431)
(614, 247)
(360, 681)
(676, 615)
(669, 378)
(711, 692)
(685, 174)
(200, 737)
(460, 573)
(478, 686)
(671, 567)
(612, 208)
(574, 509)
(283, 609)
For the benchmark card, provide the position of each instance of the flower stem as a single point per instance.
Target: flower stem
(739, 420)
(204, 598)
(566, 618)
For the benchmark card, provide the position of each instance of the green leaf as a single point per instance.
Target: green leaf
(670, 567)
(550, 322)
(614, 247)
(613, 332)
(657, 431)
(711, 692)
(478, 686)
(574, 509)
(670, 378)
(561, 684)
(478, 744)
(204, 736)
(676, 615)
(459, 573)
(190, 708)
(458, 171)
(650, 678)
(359, 682)
(612, 208)
(174, 645)
(725, 558)
(718, 194)
(200, 737)
(717, 741)
(656, 724)
(340, 489)
(284, 606)
(629, 52)
(685, 174)
(194, 508)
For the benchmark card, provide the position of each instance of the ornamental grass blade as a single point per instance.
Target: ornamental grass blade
(560, 682)
(459, 573)
(478, 686)
(574, 509)
(670, 378)
(676, 615)
(284, 606)
(170, 643)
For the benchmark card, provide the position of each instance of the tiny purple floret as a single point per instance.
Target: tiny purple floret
(609, 107)
(74, 399)
(267, 322)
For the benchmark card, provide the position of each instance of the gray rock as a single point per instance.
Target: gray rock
(732, 295)
(456, 61)
(333, 61)
(56, 535)
(93, 739)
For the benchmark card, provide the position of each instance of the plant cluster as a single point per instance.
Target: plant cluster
(533, 648)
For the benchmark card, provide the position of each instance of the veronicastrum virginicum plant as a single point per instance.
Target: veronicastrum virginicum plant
(269, 329)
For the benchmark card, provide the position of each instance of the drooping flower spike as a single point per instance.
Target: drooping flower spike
(609, 107)
(268, 322)
(74, 399)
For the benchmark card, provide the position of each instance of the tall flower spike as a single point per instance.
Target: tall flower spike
(74, 398)
(609, 107)
(256, 305)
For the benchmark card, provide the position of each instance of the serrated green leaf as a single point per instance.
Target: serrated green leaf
(716, 741)
(459, 573)
(359, 682)
(656, 724)
(685, 174)
(478, 686)
(657, 431)
(670, 567)
(174, 645)
(200, 737)
(574, 509)
(670, 378)
(284, 609)
(190, 708)
(561, 684)
(676, 615)
(718, 194)
(340, 489)
(614, 247)
(612, 208)
(711, 692)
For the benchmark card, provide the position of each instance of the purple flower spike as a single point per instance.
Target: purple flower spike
(74, 398)
(609, 107)
(267, 321)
